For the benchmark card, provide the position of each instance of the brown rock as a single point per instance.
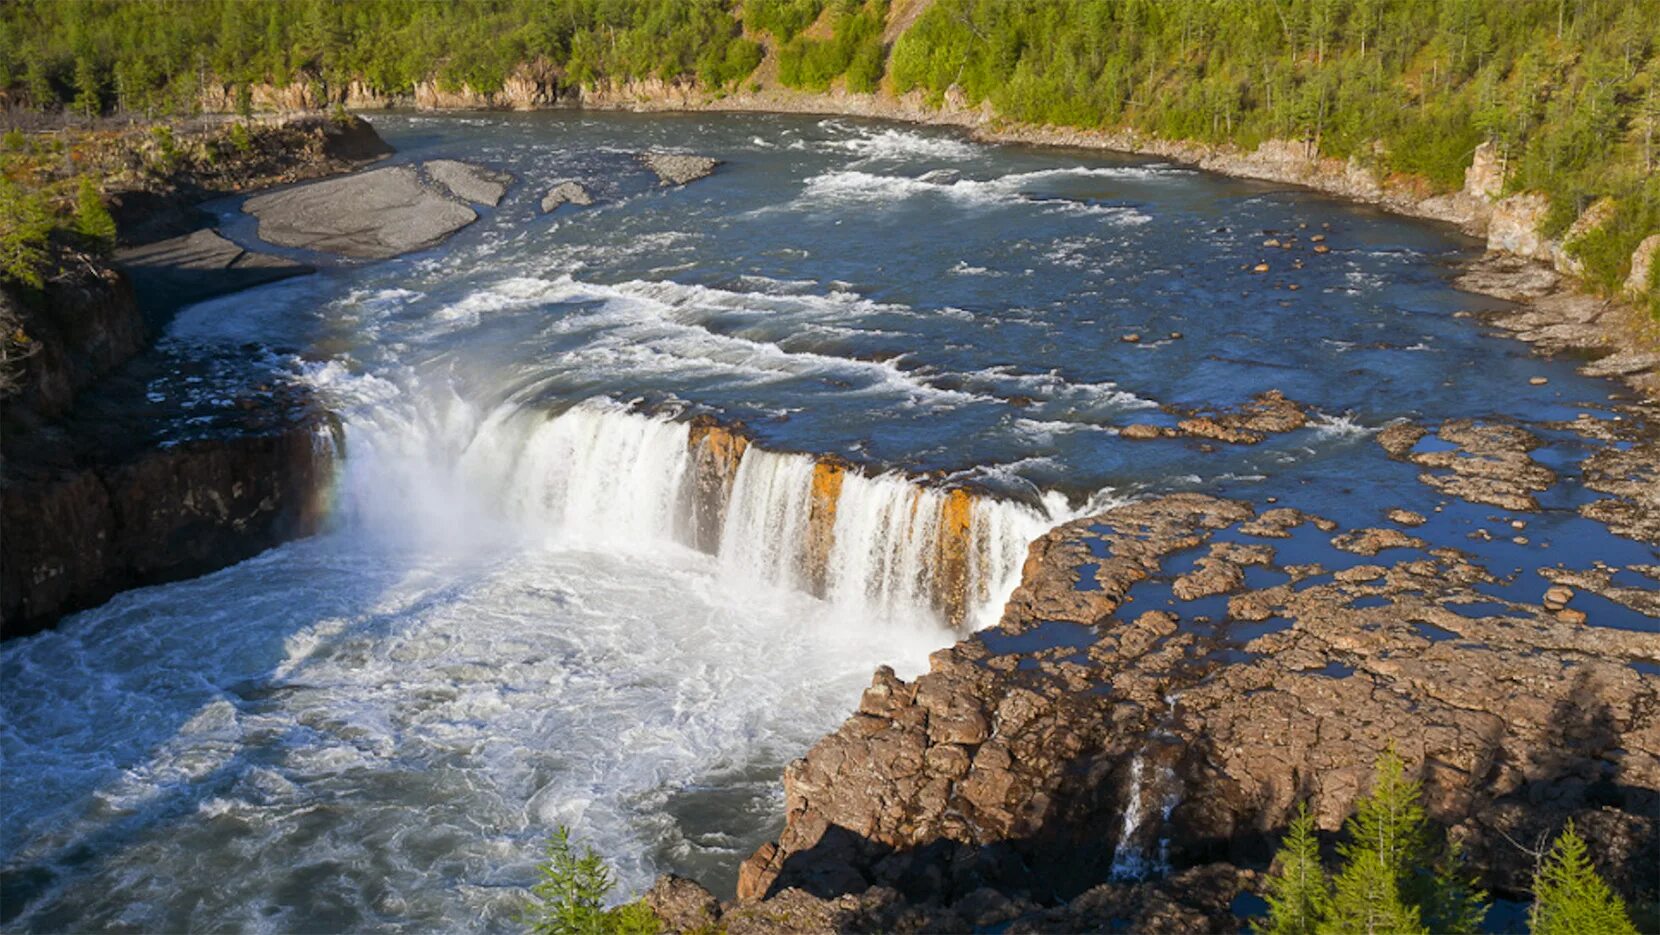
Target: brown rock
(682, 905)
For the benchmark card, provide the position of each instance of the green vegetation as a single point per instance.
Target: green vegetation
(854, 50)
(92, 220)
(1568, 91)
(1569, 897)
(570, 897)
(26, 224)
(782, 18)
(1398, 877)
(155, 57)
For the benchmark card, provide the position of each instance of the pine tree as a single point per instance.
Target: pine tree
(92, 219)
(1388, 838)
(1569, 898)
(89, 101)
(1298, 892)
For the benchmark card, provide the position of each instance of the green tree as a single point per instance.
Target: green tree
(1394, 878)
(92, 220)
(1569, 898)
(1298, 892)
(25, 229)
(89, 100)
(569, 899)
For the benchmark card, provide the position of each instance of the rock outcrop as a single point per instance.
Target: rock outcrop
(678, 168)
(1085, 738)
(372, 215)
(1481, 463)
(566, 193)
(1267, 414)
(101, 492)
(469, 182)
(169, 274)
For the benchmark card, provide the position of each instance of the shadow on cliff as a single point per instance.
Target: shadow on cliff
(1573, 774)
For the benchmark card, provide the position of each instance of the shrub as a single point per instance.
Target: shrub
(570, 897)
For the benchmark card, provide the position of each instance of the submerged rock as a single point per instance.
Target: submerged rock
(374, 215)
(469, 182)
(566, 193)
(678, 168)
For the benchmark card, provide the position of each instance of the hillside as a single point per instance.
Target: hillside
(1565, 95)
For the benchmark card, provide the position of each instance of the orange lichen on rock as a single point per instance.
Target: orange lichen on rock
(716, 452)
(952, 547)
(821, 524)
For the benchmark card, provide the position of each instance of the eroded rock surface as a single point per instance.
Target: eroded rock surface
(678, 168)
(1479, 462)
(469, 182)
(1270, 413)
(170, 274)
(566, 193)
(994, 788)
(372, 215)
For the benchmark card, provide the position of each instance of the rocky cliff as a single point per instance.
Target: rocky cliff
(103, 487)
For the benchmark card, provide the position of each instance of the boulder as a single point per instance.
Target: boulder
(371, 215)
(678, 168)
(566, 193)
(469, 182)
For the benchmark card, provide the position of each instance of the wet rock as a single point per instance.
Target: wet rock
(1266, 414)
(1406, 517)
(375, 214)
(1373, 541)
(940, 176)
(678, 168)
(1631, 473)
(682, 905)
(1142, 431)
(469, 182)
(1558, 597)
(1514, 721)
(1479, 462)
(566, 193)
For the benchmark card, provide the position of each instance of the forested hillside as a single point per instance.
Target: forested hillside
(1568, 90)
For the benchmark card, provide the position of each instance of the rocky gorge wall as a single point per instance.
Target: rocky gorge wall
(98, 491)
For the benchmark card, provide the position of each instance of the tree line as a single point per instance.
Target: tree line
(1568, 91)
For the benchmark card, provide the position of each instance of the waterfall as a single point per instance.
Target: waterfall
(1145, 814)
(598, 475)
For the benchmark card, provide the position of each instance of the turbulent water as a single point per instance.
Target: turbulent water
(526, 612)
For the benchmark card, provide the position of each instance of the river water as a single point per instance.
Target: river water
(512, 622)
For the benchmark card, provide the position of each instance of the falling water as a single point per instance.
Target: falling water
(599, 475)
(1151, 799)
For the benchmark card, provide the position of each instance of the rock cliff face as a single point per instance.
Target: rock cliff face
(95, 497)
(1083, 740)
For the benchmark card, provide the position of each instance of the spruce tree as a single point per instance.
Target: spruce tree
(1394, 879)
(1569, 898)
(92, 219)
(1298, 892)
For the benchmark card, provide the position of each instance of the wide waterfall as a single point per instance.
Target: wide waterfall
(599, 475)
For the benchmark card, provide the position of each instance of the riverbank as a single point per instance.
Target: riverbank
(126, 464)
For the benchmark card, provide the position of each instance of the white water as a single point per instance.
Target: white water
(597, 476)
(1152, 797)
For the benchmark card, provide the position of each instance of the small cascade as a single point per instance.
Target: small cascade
(1143, 848)
(600, 475)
